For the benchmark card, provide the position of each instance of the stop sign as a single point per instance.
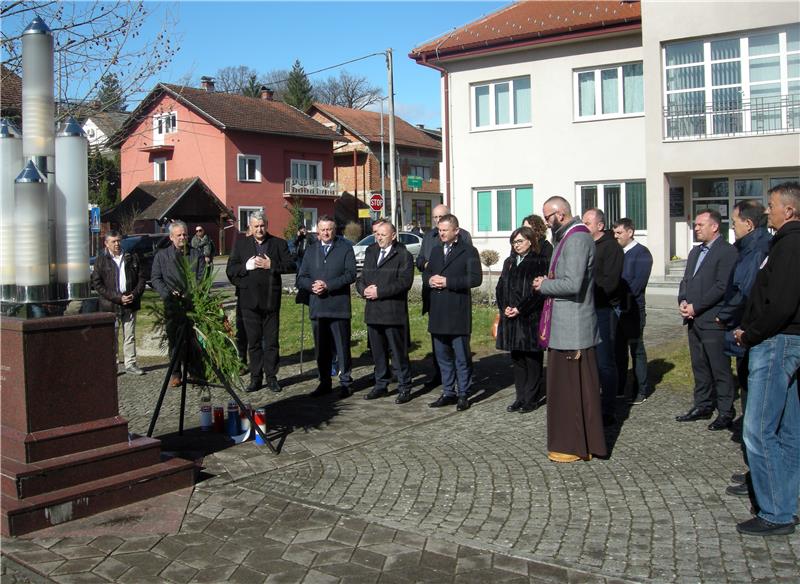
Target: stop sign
(376, 202)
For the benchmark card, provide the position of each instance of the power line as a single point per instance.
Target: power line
(333, 66)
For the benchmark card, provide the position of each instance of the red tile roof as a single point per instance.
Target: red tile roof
(10, 91)
(367, 126)
(529, 20)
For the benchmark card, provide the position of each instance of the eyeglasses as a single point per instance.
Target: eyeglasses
(547, 217)
(518, 241)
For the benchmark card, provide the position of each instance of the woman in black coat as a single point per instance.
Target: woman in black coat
(520, 308)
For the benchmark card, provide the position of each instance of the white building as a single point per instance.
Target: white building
(570, 98)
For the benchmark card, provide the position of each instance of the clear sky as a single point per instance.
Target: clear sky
(271, 35)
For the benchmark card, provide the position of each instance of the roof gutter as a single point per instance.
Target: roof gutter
(445, 123)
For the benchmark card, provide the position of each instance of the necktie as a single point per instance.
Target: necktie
(382, 256)
(703, 253)
(326, 249)
(447, 249)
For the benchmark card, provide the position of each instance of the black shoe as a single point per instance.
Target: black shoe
(321, 390)
(721, 423)
(345, 391)
(376, 393)
(403, 397)
(738, 490)
(255, 385)
(739, 477)
(274, 386)
(514, 407)
(695, 414)
(463, 403)
(759, 526)
(432, 383)
(638, 400)
(444, 400)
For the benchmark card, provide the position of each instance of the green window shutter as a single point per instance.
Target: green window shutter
(504, 210)
(636, 204)
(484, 210)
(524, 200)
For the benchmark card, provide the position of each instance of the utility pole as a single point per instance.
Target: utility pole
(392, 158)
(383, 166)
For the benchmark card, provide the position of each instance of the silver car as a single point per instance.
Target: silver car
(412, 242)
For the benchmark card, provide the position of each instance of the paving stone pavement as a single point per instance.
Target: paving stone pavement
(368, 491)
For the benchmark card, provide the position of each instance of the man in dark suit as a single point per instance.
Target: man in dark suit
(384, 282)
(255, 267)
(453, 270)
(430, 241)
(700, 298)
(329, 267)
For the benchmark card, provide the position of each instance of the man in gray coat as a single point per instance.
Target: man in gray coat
(568, 328)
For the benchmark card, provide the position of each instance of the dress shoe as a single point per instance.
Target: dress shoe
(759, 526)
(738, 490)
(403, 397)
(321, 390)
(463, 403)
(739, 477)
(254, 385)
(638, 400)
(695, 414)
(175, 380)
(432, 383)
(376, 393)
(721, 423)
(514, 407)
(134, 370)
(274, 386)
(444, 400)
(345, 391)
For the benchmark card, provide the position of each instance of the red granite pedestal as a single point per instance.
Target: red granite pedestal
(66, 452)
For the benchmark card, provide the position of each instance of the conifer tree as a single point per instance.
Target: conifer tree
(299, 92)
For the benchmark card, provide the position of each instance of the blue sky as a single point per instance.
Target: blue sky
(271, 35)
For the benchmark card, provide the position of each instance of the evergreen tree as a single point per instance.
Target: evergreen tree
(104, 179)
(299, 92)
(252, 88)
(109, 94)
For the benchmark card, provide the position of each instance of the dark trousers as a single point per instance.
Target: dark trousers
(262, 328)
(713, 380)
(455, 362)
(332, 335)
(390, 339)
(606, 358)
(630, 341)
(241, 334)
(528, 377)
(437, 373)
(175, 323)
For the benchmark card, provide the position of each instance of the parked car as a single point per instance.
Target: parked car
(412, 242)
(145, 245)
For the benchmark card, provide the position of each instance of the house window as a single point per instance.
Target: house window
(424, 172)
(609, 92)
(160, 169)
(244, 217)
(421, 212)
(502, 210)
(310, 218)
(306, 169)
(747, 84)
(249, 168)
(165, 123)
(502, 104)
(617, 200)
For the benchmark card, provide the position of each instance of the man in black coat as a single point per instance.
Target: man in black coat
(700, 298)
(328, 269)
(119, 281)
(430, 241)
(255, 267)
(384, 282)
(453, 270)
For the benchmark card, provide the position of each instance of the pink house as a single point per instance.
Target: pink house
(251, 153)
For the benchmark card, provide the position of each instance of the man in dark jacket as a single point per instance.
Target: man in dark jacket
(384, 282)
(454, 268)
(168, 280)
(255, 267)
(430, 241)
(700, 295)
(329, 267)
(771, 329)
(608, 260)
(119, 280)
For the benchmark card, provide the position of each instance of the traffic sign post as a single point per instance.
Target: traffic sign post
(376, 202)
(414, 182)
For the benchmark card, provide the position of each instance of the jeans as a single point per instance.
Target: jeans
(606, 358)
(772, 426)
(455, 362)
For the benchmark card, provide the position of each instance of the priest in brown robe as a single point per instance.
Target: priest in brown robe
(568, 328)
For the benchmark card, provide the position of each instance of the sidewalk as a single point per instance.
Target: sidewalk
(369, 491)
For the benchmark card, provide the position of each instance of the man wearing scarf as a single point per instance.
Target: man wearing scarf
(568, 329)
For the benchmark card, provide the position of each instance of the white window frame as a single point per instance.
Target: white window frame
(598, 94)
(601, 197)
(316, 163)
(744, 84)
(243, 219)
(248, 157)
(493, 231)
(157, 163)
(492, 125)
(166, 123)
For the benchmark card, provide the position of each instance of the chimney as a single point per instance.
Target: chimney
(266, 93)
(421, 126)
(207, 83)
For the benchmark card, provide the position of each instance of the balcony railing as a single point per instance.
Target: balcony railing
(753, 117)
(309, 187)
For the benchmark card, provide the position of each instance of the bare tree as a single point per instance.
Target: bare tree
(234, 79)
(92, 40)
(276, 80)
(347, 90)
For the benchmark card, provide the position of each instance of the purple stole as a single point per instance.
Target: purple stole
(546, 319)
